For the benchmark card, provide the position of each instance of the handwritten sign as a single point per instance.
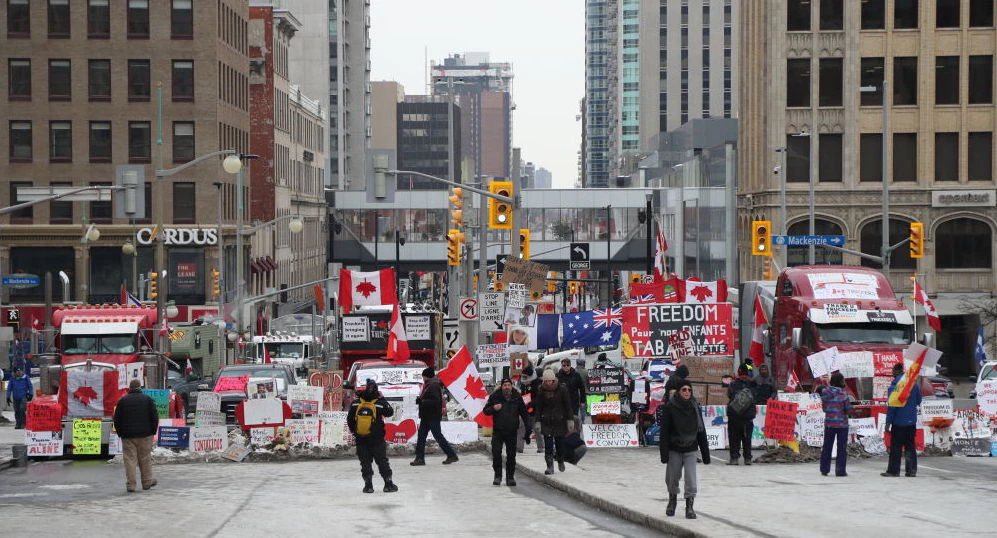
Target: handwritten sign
(44, 443)
(881, 388)
(209, 418)
(493, 355)
(86, 436)
(333, 431)
(208, 439)
(863, 427)
(857, 364)
(235, 453)
(610, 435)
(261, 436)
(532, 274)
(305, 400)
(161, 397)
(173, 437)
(113, 444)
(986, 397)
(607, 407)
(931, 408)
(873, 444)
(231, 384)
(780, 421)
(128, 372)
(417, 328)
(331, 382)
(812, 428)
(209, 401)
(304, 430)
(820, 362)
(44, 417)
(680, 344)
(356, 329)
(515, 300)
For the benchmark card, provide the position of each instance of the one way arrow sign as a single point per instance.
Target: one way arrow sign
(580, 260)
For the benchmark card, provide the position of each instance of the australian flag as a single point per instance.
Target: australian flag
(592, 328)
(981, 349)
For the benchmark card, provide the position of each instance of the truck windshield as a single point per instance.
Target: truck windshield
(107, 343)
(866, 333)
(291, 350)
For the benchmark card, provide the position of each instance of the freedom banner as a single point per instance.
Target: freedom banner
(710, 327)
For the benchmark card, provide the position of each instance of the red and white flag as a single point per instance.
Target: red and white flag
(929, 309)
(661, 246)
(266, 355)
(462, 380)
(398, 350)
(756, 352)
(190, 367)
(89, 394)
(366, 289)
(164, 329)
(705, 292)
(792, 382)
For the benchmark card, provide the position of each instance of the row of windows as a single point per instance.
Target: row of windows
(98, 18)
(99, 84)
(233, 86)
(830, 92)
(948, 14)
(979, 157)
(60, 141)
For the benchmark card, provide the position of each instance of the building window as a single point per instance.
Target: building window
(183, 80)
(60, 141)
(981, 83)
(18, 18)
(946, 80)
(829, 160)
(100, 212)
(905, 80)
(139, 86)
(19, 79)
(832, 14)
(100, 141)
(60, 212)
(981, 155)
(871, 236)
(98, 19)
(963, 244)
(798, 15)
(147, 219)
(25, 215)
(58, 18)
(981, 13)
(183, 203)
(947, 13)
(904, 157)
(946, 156)
(20, 141)
(138, 19)
(139, 141)
(183, 141)
(798, 158)
(100, 80)
(830, 82)
(871, 157)
(872, 77)
(798, 82)
(60, 87)
(905, 14)
(873, 14)
(182, 19)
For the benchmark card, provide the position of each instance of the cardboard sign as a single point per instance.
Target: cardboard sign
(304, 430)
(606, 381)
(680, 344)
(305, 400)
(708, 368)
(333, 430)
(173, 437)
(235, 453)
(86, 436)
(209, 439)
(266, 411)
(717, 437)
(161, 397)
(986, 397)
(649, 326)
(209, 418)
(606, 407)
(209, 401)
(610, 435)
(857, 364)
(43, 443)
(331, 382)
(780, 420)
(493, 355)
(532, 274)
(261, 436)
(44, 416)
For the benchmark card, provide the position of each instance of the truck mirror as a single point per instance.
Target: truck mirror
(928, 339)
(797, 337)
(347, 385)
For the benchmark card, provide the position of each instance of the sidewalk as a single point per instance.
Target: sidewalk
(780, 499)
(8, 438)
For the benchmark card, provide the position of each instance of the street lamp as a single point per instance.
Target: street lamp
(233, 165)
(781, 170)
(885, 244)
(92, 234)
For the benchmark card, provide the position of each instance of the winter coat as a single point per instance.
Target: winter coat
(135, 416)
(430, 401)
(738, 384)
(906, 415)
(19, 388)
(837, 406)
(682, 429)
(506, 420)
(575, 385)
(384, 409)
(765, 389)
(553, 409)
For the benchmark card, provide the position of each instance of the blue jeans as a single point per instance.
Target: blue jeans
(830, 436)
(425, 427)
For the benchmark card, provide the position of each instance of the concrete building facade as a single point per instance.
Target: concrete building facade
(349, 92)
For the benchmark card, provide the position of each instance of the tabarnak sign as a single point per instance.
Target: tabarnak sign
(178, 236)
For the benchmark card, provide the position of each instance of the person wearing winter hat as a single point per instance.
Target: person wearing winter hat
(682, 432)
(553, 411)
(679, 375)
(371, 446)
(506, 406)
(430, 402)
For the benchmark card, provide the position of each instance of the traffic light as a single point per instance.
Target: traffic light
(917, 240)
(216, 288)
(457, 213)
(536, 295)
(454, 240)
(552, 284)
(498, 286)
(572, 288)
(500, 213)
(636, 278)
(767, 269)
(761, 238)
(524, 243)
(153, 285)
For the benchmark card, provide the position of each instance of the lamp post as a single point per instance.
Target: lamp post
(399, 241)
(609, 259)
(221, 255)
(649, 223)
(885, 244)
(811, 181)
(233, 165)
(781, 171)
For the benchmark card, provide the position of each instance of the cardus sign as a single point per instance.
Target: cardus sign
(178, 236)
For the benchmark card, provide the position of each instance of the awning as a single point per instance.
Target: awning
(86, 325)
(270, 263)
(254, 267)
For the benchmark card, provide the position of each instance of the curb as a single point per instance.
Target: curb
(6, 463)
(611, 508)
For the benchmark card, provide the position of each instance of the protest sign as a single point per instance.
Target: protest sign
(235, 453)
(881, 388)
(208, 439)
(606, 407)
(209, 401)
(44, 416)
(610, 435)
(863, 427)
(43, 443)
(331, 382)
(883, 361)
(717, 437)
(873, 444)
(265, 411)
(780, 420)
(86, 436)
(304, 399)
(333, 430)
(231, 384)
(812, 428)
(970, 446)
(493, 355)
(529, 273)
(821, 362)
(401, 432)
(680, 344)
(129, 371)
(856, 364)
(931, 408)
(209, 418)
(649, 326)
(113, 444)
(460, 431)
(261, 436)
(173, 437)
(806, 402)
(606, 380)
(303, 430)
(986, 397)
(515, 301)
(758, 432)
(161, 397)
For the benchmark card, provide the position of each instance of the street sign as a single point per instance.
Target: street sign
(33, 194)
(580, 257)
(468, 309)
(21, 281)
(807, 240)
(491, 308)
(500, 266)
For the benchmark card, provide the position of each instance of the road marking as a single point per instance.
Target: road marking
(9, 495)
(934, 469)
(65, 486)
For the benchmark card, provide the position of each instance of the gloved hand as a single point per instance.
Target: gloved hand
(9, 402)
(664, 458)
(706, 458)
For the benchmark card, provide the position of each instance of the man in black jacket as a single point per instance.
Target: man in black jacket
(430, 402)
(372, 447)
(136, 421)
(740, 422)
(572, 380)
(506, 406)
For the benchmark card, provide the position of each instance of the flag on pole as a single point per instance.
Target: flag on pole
(981, 348)
(661, 246)
(792, 382)
(929, 308)
(462, 380)
(366, 288)
(920, 358)
(756, 352)
(398, 350)
(190, 367)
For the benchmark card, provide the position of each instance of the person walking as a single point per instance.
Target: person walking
(837, 406)
(365, 419)
(553, 409)
(532, 389)
(506, 406)
(682, 432)
(19, 392)
(430, 402)
(740, 416)
(575, 384)
(901, 423)
(136, 421)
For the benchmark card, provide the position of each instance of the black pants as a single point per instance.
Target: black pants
(373, 449)
(509, 441)
(739, 436)
(425, 427)
(20, 407)
(902, 442)
(554, 447)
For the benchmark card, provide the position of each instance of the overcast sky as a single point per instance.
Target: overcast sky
(544, 40)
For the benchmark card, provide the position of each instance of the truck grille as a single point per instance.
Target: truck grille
(229, 409)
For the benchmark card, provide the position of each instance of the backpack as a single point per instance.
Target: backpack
(364, 416)
(743, 401)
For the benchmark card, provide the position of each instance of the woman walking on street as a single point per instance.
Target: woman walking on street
(553, 410)
(682, 432)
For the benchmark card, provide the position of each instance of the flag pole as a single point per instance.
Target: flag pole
(913, 295)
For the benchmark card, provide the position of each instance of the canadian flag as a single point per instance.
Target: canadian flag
(366, 289)
(89, 394)
(398, 350)
(705, 292)
(756, 352)
(462, 380)
(190, 367)
(929, 309)
(661, 246)
(792, 382)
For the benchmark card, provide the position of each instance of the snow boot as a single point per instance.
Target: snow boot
(673, 501)
(560, 465)
(368, 486)
(497, 481)
(550, 465)
(389, 486)
(689, 512)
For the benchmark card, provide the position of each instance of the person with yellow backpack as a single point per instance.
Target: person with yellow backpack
(366, 421)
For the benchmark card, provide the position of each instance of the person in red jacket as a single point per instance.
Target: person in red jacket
(136, 421)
